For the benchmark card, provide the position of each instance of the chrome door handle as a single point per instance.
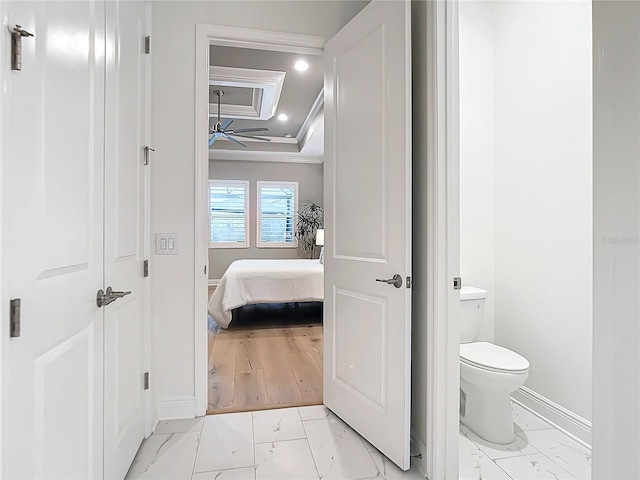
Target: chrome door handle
(116, 295)
(396, 280)
(105, 298)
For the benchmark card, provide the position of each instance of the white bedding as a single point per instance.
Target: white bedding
(266, 281)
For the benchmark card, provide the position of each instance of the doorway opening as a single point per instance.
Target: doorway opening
(265, 198)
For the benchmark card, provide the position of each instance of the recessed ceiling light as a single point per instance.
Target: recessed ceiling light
(287, 135)
(283, 117)
(301, 65)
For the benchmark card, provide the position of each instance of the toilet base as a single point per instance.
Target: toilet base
(487, 413)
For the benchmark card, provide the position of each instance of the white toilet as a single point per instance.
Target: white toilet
(488, 375)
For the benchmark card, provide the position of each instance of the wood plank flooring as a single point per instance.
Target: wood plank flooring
(268, 367)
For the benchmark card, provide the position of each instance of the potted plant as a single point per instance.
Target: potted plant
(308, 219)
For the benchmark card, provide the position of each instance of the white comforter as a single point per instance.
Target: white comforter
(266, 281)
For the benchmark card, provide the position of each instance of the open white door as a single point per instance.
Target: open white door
(52, 230)
(124, 234)
(367, 379)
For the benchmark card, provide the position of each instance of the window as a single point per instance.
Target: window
(229, 214)
(277, 206)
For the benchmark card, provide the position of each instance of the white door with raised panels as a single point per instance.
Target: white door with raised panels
(72, 224)
(367, 361)
(52, 240)
(124, 217)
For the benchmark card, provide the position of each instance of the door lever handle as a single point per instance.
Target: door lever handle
(396, 280)
(116, 295)
(105, 298)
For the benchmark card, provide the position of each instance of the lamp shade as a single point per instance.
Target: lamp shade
(320, 236)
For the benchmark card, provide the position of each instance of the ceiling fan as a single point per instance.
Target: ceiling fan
(219, 129)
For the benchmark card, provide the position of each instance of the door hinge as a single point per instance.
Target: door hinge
(147, 44)
(457, 283)
(16, 46)
(146, 380)
(147, 149)
(14, 317)
(408, 282)
(205, 269)
(145, 268)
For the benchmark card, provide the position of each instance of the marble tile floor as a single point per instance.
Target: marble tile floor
(539, 451)
(302, 443)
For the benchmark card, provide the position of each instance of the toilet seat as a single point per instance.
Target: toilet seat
(494, 358)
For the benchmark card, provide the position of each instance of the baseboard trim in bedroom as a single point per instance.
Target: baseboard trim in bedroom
(563, 419)
(213, 282)
(176, 408)
(418, 451)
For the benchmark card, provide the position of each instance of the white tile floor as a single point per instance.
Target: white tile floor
(539, 451)
(292, 443)
(312, 443)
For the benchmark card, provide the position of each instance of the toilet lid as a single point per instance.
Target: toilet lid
(492, 357)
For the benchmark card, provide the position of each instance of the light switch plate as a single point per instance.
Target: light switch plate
(167, 244)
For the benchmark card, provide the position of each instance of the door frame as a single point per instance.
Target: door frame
(443, 239)
(206, 35)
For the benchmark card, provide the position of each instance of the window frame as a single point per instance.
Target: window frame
(247, 223)
(276, 184)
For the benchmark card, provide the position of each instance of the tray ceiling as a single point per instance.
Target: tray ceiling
(247, 77)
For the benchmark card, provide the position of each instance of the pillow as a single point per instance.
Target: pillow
(322, 255)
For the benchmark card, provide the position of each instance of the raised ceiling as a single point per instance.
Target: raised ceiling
(298, 96)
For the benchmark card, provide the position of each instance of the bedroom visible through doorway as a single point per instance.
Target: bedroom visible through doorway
(257, 367)
(266, 281)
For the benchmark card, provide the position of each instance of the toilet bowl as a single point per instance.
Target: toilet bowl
(488, 375)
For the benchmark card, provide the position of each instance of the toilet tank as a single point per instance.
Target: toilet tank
(471, 312)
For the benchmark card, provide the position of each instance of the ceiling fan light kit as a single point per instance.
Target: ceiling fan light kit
(220, 129)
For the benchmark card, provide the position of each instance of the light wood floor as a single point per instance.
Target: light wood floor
(253, 369)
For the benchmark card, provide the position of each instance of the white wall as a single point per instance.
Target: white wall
(616, 349)
(543, 162)
(173, 80)
(526, 139)
(310, 184)
(477, 171)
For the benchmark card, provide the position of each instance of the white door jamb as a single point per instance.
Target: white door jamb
(443, 241)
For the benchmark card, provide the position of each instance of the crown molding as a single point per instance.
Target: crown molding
(253, 156)
(315, 115)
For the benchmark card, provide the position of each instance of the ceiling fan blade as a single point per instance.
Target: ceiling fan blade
(246, 130)
(213, 138)
(234, 140)
(226, 124)
(250, 136)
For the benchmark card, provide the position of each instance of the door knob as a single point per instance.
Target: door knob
(105, 298)
(396, 280)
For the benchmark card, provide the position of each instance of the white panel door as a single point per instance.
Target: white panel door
(368, 226)
(124, 234)
(52, 234)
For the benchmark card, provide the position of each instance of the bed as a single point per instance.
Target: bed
(266, 281)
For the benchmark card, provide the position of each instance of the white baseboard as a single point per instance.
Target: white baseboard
(565, 420)
(213, 282)
(176, 408)
(418, 448)
(153, 429)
